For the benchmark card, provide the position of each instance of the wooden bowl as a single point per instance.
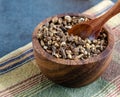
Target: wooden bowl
(72, 73)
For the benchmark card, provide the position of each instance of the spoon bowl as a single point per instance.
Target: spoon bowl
(81, 28)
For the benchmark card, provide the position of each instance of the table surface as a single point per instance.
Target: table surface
(18, 18)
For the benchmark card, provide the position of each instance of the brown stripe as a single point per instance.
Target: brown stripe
(112, 93)
(21, 82)
(21, 88)
(24, 84)
(9, 93)
(14, 55)
(7, 65)
(107, 87)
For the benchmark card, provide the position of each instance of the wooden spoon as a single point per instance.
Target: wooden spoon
(91, 29)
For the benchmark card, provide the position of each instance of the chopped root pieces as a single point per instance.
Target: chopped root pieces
(55, 40)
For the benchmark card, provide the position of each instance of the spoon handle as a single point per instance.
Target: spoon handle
(104, 18)
(113, 11)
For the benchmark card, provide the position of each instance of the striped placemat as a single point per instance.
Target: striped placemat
(21, 77)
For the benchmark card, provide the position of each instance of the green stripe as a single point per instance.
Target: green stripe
(59, 91)
(109, 88)
(106, 91)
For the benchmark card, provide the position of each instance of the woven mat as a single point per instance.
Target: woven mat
(21, 77)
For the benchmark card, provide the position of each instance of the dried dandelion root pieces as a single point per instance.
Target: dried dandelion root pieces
(55, 40)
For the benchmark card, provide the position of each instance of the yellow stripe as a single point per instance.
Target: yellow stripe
(16, 52)
(19, 74)
(11, 63)
(98, 7)
(115, 21)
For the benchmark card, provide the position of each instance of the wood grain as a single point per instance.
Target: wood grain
(72, 73)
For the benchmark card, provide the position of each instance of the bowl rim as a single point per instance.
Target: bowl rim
(37, 47)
